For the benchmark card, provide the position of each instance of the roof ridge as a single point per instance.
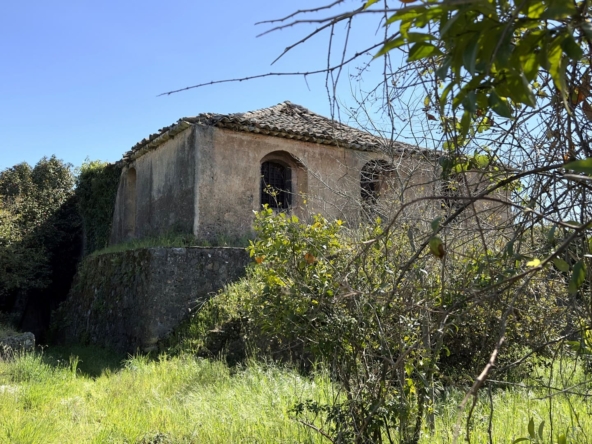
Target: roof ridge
(285, 119)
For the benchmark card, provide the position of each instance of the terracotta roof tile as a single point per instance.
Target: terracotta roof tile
(285, 120)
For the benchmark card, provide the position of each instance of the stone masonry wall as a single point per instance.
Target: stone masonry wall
(131, 300)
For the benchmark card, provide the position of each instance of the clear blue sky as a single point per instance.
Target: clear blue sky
(81, 79)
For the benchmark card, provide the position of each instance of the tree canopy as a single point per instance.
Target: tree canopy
(39, 228)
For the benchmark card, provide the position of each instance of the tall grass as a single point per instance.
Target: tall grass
(187, 400)
(180, 400)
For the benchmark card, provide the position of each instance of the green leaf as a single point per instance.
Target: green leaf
(499, 106)
(535, 9)
(530, 65)
(460, 167)
(571, 48)
(481, 161)
(587, 28)
(390, 45)
(443, 68)
(413, 37)
(465, 123)
(520, 440)
(437, 247)
(531, 428)
(369, 3)
(516, 86)
(406, 14)
(541, 426)
(573, 223)
(445, 25)
(410, 37)
(561, 439)
(561, 264)
(580, 166)
(578, 277)
(422, 50)
(445, 92)
(510, 248)
(527, 53)
(557, 67)
(470, 55)
(470, 102)
(436, 224)
(558, 9)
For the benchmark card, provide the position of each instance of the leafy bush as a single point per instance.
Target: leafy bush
(388, 328)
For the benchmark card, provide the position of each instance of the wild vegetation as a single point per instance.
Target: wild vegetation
(502, 89)
(96, 189)
(40, 234)
(50, 216)
(440, 322)
(92, 397)
(323, 294)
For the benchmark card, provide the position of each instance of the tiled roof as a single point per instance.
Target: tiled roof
(285, 120)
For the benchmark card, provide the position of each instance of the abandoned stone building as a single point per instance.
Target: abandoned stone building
(206, 175)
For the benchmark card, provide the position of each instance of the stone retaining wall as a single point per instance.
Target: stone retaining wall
(22, 342)
(131, 300)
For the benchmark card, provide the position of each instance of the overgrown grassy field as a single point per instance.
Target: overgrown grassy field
(180, 400)
(55, 398)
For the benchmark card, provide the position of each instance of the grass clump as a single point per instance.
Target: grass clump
(172, 399)
(173, 240)
(183, 399)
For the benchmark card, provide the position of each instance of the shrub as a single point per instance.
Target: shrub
(387, 327)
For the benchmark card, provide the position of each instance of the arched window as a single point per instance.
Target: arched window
(130, 204)
(373, 180)
(276, 185)
(452, 189)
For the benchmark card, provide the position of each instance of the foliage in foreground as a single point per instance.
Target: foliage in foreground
(169, 400)
(188, 400)
(392, 341)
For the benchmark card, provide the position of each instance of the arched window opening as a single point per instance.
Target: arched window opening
(374, 180)
(130, 204)
(452, 189)
(276, 185)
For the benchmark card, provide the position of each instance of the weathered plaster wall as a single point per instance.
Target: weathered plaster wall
(206, 181)
(164, 191)
(133, 299)
(229, 178)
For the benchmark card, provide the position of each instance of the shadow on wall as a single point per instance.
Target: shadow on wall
(130, 205)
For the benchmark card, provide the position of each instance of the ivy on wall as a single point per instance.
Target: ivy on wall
(96, 189)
